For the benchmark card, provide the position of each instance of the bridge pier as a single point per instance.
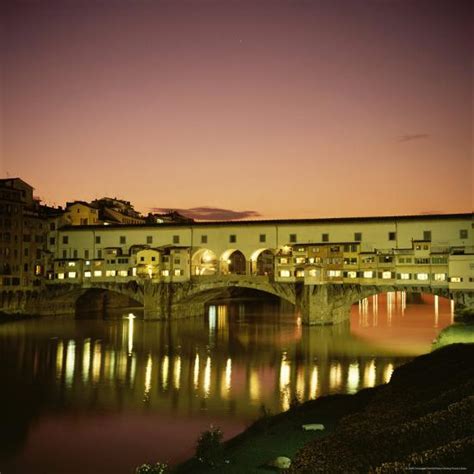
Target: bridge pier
(323, 304)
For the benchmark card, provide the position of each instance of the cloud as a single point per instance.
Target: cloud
(206, 213)
(413, 136)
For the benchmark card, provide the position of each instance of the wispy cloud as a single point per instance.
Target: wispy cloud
(413, 136)
(207, 213)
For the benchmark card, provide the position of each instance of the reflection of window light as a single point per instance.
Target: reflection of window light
(440, 276)
(110, 273)
(60, 276)
(422, 276)
(368, 274)
(87, 274)
(165, 273)
(285, 273)
(71, 274)
(352, 274)
(386, 275)
(97, 273)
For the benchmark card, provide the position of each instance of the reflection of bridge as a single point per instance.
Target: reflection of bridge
(318, 304)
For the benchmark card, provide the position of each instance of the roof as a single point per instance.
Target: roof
(250, 223)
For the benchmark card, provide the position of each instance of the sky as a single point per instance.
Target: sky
(241, 108)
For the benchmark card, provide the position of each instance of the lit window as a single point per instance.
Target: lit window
(110, 273)
(455, 279)
(352, 274)
(440, 276)
(369, 274)
(313, 272)
(97, 273)
(88, 262)
(386, 275)
(300, 273)
(334, 273)
(404, 276)
(285, 273)
(123, 273)
(87, 274)
(422, 276)
(311, 260)
(177, 272)
(165, 273)
(283, 260)
(71, 275)
(300, 260)
(71, 264)
(60, 276)
(134, 271)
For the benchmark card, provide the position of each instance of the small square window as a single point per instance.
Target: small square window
(325, 237)
(65, 239)
(175, 239)
(232, 238)
(293, 238)
(203, 239)
(392, 236)
(123, 239)
(97, 239)
(149, 239)
(263, 238)
(463, 234)
(427, 235)
(357, 236)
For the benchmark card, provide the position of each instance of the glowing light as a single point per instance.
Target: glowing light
(207, 378)
(387, 373)
(70, 362)
(368, 274)
(71, 274)
(59, 358)
(86, 360)
(313, 387)
(436, 310)
(285, 373)
(212, 319)
(196, 372)
(177, 372)
(96, 361)
(369, 374)
(335, 375)
(87, 274)
(149, 367)
(254, 386)
(300, 383)
(60, 276)
(165, 368)
(131, 317)
(149, 269)
(228, 375)
(353, 378)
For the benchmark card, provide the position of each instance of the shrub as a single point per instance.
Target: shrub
(209, 449)
(158, 468)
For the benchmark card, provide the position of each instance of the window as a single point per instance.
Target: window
(392, 236)
(427, 235)
(463, 234)
(149, 239)
(300, 273)
(293, 238)
(60, 276)
(347, 248)
(97, 239)
(71, 274)
(175, 239)
(165, 273)
(110, 273)
(357, 236)
(97, 273)
(177, 261)
(422, 276)
(386, 275)
(65, 239)
(232, 238)
(455, 279)
(203, 239)
(285, 273)
(142, 259)
(334, 273)
(283, 260)
(352, 274)
(325, 237)
(123, 239)
(86, 254)
(439, 277)
(177, 272)
(262, 238)
(87, 274)
(300, 260)
(153, 259)
(404, 276)
(99, 253)
(26, 252)
(64, 253)
(52, 226)
(123, 273)
(74, 253)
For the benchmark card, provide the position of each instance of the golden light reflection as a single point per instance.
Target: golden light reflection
(207, 377)
(149, 367)
(254, 386)
(285, 373)
(353, 378)
(335, 375)
(375, 310)
(177, 372)
(369, 374)
(228, 374)
(59, 358)
(387, 373)
(130, 332)
(436, 311)
(452, 311)
(96, 361)
(300, 384)
(70, 362)
(165, 369)
(212, 319)
(196, 372)
(313, 390)
(86, 360)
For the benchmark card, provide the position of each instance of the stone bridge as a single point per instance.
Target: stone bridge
(318, 304)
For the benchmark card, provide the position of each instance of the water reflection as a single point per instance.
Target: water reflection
(225, 365)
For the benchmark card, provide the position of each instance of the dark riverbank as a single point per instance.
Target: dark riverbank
(12, 317)
(423, 418)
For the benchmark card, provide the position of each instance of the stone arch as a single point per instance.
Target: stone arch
(233, 262)
(262, 261)
(204, 262)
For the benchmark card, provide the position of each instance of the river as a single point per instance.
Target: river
(101, 396)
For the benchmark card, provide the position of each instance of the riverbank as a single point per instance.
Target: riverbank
(424, 417)
(12, 317)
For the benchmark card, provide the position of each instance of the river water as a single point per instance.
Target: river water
(101, 396)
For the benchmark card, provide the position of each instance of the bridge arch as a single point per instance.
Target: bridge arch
(204, 262)
(233, 262)
(262, 261)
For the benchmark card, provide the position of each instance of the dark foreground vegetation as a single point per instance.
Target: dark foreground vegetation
(423, 418)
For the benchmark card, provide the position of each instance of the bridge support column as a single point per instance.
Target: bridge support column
(323, 304)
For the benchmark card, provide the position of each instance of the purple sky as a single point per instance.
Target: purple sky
(291, 108)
